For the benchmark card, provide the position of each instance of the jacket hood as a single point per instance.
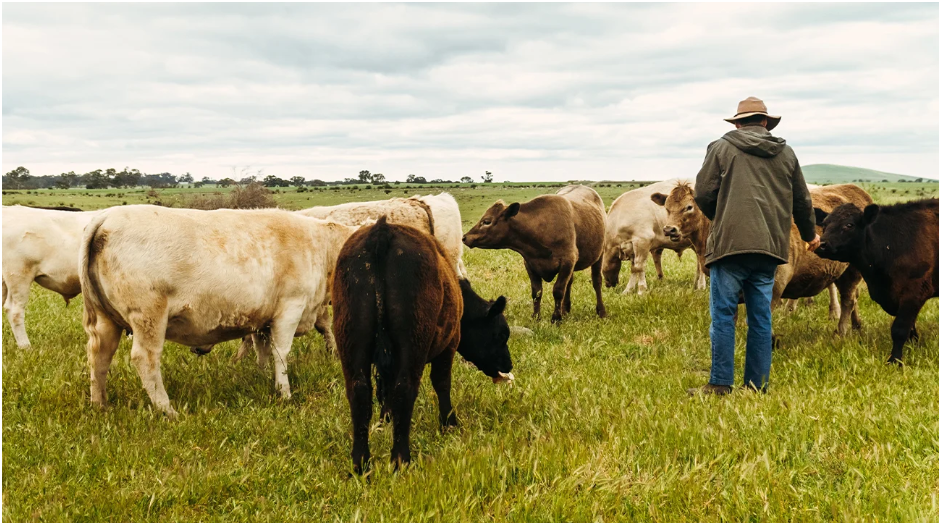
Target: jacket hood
(755, 140)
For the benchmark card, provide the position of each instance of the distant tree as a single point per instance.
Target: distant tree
(487, 178)
(919, 179)
(317, 182)
(273, 181)
(377, 178)
(349, 180)
(67, 180)
(186, 178)
(207, 180)
(411, 178)
(297, 180)
(466, 179)
(364, 176)
(418, 180)
(226, 182)
(96, 180)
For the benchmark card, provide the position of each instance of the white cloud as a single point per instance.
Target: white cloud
(527, 91)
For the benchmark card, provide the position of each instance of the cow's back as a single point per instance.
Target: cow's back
(220, 274)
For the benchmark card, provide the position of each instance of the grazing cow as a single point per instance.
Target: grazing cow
(896, 249)
(39, 245)
(399, 305)
(199, 278)
(556, 234)
(437, 215)
(634, 228)
(805, 274)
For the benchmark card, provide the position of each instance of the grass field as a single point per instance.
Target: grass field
(597, 425)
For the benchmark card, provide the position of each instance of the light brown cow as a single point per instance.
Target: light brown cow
(634, 228)
(556, 234)
(805, 274)
(199, 278)
(39, 245)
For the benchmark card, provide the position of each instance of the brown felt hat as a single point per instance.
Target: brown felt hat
(751, 106)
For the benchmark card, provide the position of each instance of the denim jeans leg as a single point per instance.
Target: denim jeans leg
(724, 288)
(758, 289)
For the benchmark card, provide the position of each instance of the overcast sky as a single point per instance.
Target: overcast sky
(527, 91)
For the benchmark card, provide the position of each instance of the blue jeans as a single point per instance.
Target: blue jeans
(754, 275)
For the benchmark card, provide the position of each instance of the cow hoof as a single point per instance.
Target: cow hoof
(775, 342)
(895, 361)
(601, 312)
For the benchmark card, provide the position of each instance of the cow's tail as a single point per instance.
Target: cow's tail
(91, 295)
(379, 239)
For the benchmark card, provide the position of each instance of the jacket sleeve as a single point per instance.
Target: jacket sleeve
(708, 183)
(803, 214)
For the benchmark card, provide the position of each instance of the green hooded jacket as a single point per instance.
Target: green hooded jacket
(750, 186)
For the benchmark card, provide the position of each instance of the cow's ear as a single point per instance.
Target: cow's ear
(659, 198)
(820, 216)
(871, 212)
(512, 210)
(497, 307)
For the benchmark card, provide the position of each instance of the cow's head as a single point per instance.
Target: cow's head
(613, 256)
(843, 230)
(484, 334)
(493, 228)
(684, 217)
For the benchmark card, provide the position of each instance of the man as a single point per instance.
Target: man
(749, 186)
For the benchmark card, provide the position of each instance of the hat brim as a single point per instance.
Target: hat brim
(772, 120)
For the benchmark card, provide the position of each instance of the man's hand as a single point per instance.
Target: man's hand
(814, 244)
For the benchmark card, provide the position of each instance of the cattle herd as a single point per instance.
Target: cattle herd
(393, 275)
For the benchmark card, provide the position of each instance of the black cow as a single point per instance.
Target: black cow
(398, 305)
(895, 248)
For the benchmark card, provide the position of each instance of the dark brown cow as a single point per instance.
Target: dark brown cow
(556, 234)
(896, 250)
(805, 274)
(397, 306)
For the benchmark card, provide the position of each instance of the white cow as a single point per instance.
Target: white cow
(633, 229)
(39, 245)
(199, 278)
(437, 215)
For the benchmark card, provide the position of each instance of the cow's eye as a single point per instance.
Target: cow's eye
(849, 226)
(486, 222)
(690, 208)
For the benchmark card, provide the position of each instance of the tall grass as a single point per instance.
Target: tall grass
(597, 425)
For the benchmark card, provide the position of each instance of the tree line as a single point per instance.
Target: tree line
(21, 179)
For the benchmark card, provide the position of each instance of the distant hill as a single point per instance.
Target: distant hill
(822, 173)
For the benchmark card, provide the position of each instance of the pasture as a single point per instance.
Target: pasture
(596, 427)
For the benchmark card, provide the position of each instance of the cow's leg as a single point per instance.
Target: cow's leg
(637, 276)
(902, 326)
(567, 294)
(103, 339)
(847, 288)
(790, 306)
(15, 296)
(408, 366)
(262, 343)
(564, 277)
(701, 273)
(323, 325)
(281, 336)
(146, 348)
(440, 375)
(596, 276)
(537, 290)
(657, 261)
(835, 308)
(460, 267)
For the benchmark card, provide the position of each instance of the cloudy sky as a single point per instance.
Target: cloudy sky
(527, 91)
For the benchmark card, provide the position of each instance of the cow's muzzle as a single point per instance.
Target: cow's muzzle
(673, 233)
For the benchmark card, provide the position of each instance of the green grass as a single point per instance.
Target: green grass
(597, 425)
